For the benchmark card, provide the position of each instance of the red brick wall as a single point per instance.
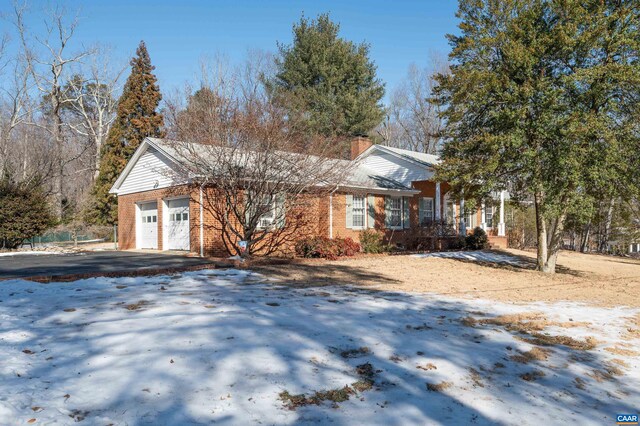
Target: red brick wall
(315, 217)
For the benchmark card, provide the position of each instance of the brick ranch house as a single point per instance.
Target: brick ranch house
(393, 190)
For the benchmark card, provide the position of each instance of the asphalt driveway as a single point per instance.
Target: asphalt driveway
(103, 262)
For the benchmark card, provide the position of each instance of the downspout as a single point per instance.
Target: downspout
(201, 225)
(331, 212)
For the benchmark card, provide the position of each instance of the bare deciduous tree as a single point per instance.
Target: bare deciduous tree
(413, 121)
(92, 99)
(261, 176)
(49, 60)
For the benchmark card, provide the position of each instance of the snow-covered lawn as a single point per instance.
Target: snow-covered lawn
(218, 346)
(477, 256)
(27, 253)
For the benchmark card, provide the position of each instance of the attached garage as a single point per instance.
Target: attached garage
(147, 226)
(176, 225)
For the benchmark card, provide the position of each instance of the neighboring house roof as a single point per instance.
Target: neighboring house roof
(165, 156)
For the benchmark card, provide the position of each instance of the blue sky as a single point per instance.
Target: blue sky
(180, 33)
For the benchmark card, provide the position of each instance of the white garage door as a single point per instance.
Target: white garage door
(178, 224)
(148, 226)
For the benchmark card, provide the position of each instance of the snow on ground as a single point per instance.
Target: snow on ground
(477, 256)
(27, 253)
(218, 346)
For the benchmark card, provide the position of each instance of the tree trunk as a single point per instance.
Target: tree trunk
(604, 241)
(585, 238)
(59, 160)
(541, 232)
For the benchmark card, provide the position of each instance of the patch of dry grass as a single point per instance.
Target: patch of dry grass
(476, 378)
(608, 373)
(540, 339)
(532, 376)
(136, 306)
(355, 353)
(620, 362)
(427, 367)
(439, 387)
(617, 350)
(535, 354)
(366, 382)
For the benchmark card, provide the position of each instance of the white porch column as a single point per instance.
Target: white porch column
(438, 209)
(463, 226)
(453, 212)
(483, 224)
(501, 227)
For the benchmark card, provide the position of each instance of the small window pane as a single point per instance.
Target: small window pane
(396, 211)
(357, 211)
(155, 219)
(185, 216)
(178, 217)
(144, 219)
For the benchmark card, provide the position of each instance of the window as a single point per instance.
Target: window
(358, 211)
(449, 216)
(269, 206)
(395, 212)
(471, 218)
(488, 216)
(426, 210)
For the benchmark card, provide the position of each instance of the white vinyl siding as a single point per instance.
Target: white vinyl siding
(393, 167)
(152, 171)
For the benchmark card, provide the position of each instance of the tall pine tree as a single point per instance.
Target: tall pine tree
(328, 81)
(541, 101)
(137, 119)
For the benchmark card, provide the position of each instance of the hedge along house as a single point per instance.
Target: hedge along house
(387, 189)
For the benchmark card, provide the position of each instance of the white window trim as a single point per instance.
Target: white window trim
(364, 211)
(271, 217)
(433, 209)
(400, 225)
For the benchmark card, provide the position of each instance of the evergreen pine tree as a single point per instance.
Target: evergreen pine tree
(328, 81)
(541, 101)
(137, 119)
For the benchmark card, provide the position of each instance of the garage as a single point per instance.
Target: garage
(177, 224)
(148, 225)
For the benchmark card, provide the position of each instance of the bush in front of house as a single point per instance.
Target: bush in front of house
(326, 248)
(25, 211)
(477, 240)
(372, 241)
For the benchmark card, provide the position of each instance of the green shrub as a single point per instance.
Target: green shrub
(477, 240)
(372, 241)
(25, 212)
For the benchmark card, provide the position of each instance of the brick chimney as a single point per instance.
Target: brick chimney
(359, 144)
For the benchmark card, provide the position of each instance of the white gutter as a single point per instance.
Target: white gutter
(331, 212)
(201, 225)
